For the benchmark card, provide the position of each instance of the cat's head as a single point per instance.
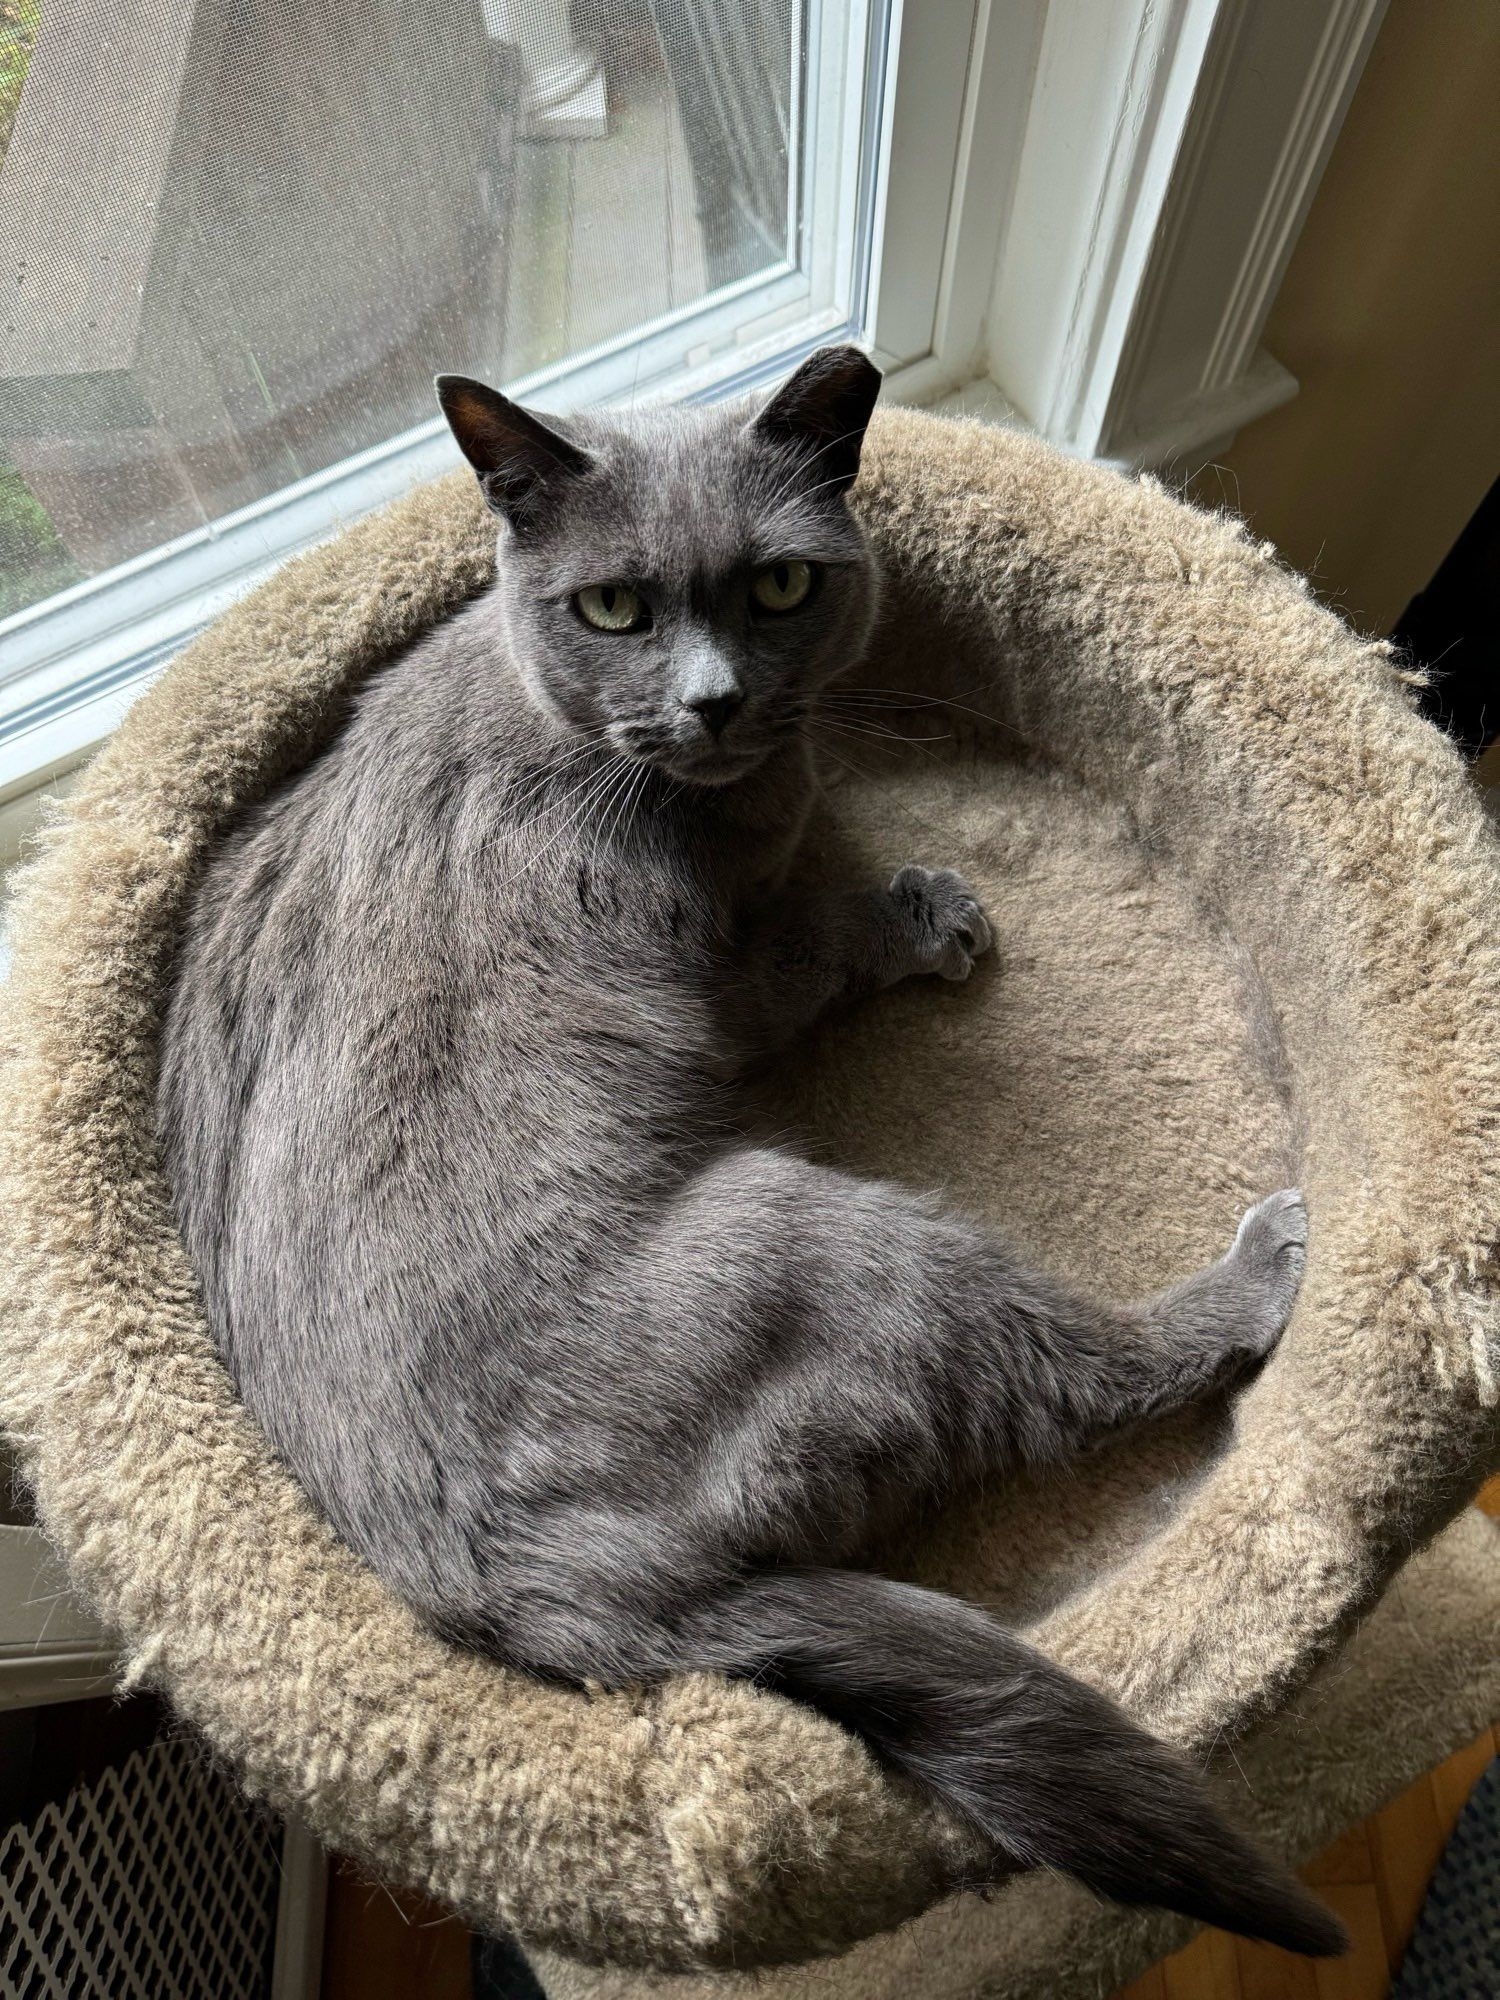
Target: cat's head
(680, 583)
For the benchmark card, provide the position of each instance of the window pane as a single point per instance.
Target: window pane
(243, 234)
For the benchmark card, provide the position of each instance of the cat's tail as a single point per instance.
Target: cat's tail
(1050, 1771)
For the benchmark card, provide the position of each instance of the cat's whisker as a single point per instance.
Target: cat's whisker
(574, 790)
(534, 781)
(845, 729)
(915, 699)
(623, 779)
(542, 797)
(838, 479)
(888, 738)
(828, 750)
(610, 782)
(877, 698)
(620, 823)
(639, 798)
(863, 721)
(589, 739)
(534, 860)
(793, 716)
(594, 787)
(874, 698)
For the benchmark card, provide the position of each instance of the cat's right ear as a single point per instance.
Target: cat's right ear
(519, 460)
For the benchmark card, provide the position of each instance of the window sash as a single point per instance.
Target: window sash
(71, 665)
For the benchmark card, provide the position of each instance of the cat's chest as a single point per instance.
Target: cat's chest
(758, 827)
(651, 879)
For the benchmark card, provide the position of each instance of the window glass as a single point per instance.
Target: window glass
(241, 235)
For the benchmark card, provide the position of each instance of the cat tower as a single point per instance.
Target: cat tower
(1246, 903)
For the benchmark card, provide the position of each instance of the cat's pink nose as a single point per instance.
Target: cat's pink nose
(715, 711)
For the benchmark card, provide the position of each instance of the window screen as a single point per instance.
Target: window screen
(243, 234)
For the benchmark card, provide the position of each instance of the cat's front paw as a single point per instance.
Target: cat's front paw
(947, 925)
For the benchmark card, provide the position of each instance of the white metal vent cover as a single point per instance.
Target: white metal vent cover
(154, 1882)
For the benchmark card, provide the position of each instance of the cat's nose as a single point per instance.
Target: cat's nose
(716, 711)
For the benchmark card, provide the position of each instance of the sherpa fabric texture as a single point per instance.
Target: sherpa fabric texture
(1246, 905)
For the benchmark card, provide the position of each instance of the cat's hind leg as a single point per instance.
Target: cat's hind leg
(871, 1342)
(1233, 1312)
(783, 1359)
(844, 1347)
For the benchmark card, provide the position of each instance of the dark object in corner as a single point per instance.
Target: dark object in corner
(501, 1971)
(1455, 1954)
(1453, 629)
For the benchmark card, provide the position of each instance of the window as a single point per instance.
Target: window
(244, 233)
(241, 235)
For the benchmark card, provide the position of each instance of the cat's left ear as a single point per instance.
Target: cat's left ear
(822, 411)
(519, 459)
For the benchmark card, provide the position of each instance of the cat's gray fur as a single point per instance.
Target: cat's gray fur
(595, 1382)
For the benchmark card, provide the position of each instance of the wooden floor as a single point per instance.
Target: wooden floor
(384, 1947)
(579, 275)
(1375, 1877)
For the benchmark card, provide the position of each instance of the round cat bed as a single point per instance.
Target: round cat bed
(1246, 908)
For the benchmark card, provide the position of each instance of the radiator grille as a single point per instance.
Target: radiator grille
(154, 1882)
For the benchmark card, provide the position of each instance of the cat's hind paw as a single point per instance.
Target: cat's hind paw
(1270, 1252)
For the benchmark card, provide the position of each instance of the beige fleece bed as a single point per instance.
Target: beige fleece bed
(1246, 907)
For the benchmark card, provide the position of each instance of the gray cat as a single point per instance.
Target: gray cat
(447, 1099)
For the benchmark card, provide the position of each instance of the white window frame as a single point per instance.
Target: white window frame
(71, 665)
(1167, 165)
(1081, 210)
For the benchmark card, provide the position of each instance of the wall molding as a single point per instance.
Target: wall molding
(1170, 156)
(1222, 57)
(1183, 436)
(1349, 31)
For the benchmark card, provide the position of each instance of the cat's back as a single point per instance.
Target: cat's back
(434, 1008)
(450, 865)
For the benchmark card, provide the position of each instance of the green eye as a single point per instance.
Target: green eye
(783, 586)
(610, 607)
